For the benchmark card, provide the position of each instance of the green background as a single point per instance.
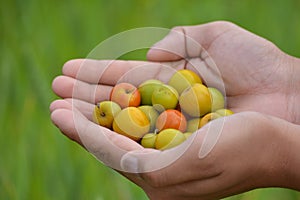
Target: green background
(37, 37)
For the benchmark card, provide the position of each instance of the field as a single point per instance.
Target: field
(37, 37)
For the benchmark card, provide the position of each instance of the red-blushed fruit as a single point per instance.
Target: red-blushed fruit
(126, 95)
(171, 119)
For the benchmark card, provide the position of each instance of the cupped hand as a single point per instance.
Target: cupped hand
(226, 157)
(229, 156)
(252, 71)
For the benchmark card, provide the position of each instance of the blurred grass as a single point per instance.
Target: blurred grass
(37, 37)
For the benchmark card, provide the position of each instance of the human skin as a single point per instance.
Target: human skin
(256, 147)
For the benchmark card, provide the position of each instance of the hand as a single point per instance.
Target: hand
(218, 161)
(256, 74)
(246, 156)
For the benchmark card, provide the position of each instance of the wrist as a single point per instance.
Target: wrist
(292, 142)
(293, 88)
(282, 168)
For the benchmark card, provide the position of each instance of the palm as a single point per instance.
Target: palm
(250, 72)
(246, 66)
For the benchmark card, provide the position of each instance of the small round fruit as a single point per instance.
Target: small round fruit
(224, 112)
(171, 119)
(183, 79)
(169, 138)
(152, 115)
(165, 97)
(146, 90)
(195, 100)
(148, 141)
(193, 124)
(126, 95)
(208, 117)
(131, 122)
(105, 112)
(217, 98)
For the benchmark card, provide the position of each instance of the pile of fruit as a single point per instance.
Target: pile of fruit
(159, 115)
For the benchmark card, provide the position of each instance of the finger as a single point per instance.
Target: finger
(96, 71)
(107, 146)
(62, 108)
(61, 118)
(110, 72)
(187, 41)
(59, 104)
(67, 87)
(170, 48)
(85, 108)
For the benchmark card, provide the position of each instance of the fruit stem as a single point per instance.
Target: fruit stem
(128, 91)
(102, 114)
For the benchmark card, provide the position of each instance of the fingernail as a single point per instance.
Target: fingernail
(129, 163)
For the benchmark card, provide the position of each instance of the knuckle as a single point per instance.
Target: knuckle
(223, 23)
(215, 25)
(178, 29)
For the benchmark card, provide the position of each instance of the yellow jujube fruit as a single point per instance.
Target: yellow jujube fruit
(196, 100)
(131, 122)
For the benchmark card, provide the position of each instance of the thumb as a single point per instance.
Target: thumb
(187, 41)
(170, 48)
